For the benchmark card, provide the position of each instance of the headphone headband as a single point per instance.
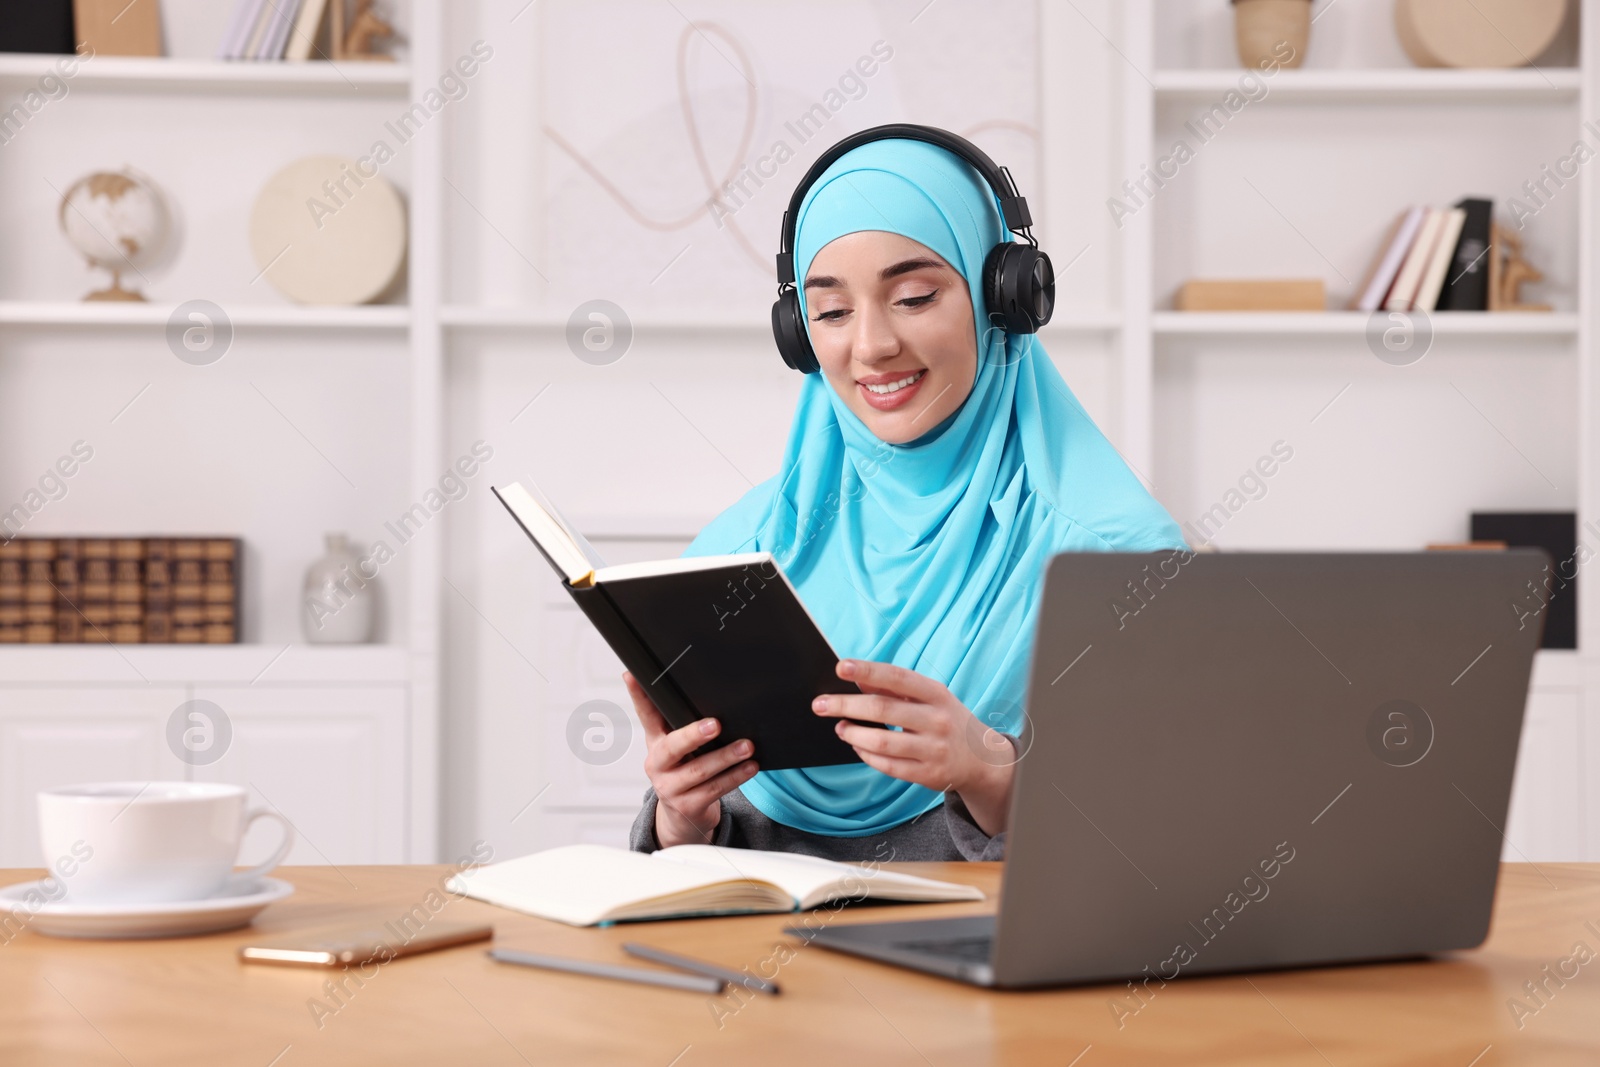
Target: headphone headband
(1013, 207)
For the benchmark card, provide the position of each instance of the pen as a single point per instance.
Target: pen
(671, 959)
(694, 983)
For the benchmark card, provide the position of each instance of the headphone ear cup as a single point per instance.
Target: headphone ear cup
(1019, 287)
(789, 333)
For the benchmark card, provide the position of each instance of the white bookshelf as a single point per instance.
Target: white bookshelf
(343, 432)
(1301, 182)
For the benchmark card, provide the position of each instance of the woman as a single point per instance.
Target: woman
(932, 470)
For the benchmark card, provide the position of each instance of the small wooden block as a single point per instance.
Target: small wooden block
(118, 27)
(1290, 294)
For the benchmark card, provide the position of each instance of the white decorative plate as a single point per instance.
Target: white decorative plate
(327, 230)
(180, 918)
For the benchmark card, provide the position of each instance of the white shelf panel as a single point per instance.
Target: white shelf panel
(1557, 667)
(1354, 323)
(1559, 84)
(65, 313)
(209, 664)
(466, 317)
(361, 79)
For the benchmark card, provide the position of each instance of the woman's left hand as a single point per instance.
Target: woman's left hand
(940, 744)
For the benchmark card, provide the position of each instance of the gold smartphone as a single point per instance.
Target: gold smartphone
(360, 945)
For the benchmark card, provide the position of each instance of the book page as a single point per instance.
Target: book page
(589, 552)
(587, 884)
(622, 572)
(811, 880)
(550, 536)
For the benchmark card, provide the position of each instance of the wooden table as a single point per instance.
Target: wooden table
(190, 1001)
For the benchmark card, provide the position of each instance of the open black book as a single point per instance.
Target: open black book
(724, 637)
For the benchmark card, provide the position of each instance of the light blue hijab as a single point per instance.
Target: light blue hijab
(930, 554)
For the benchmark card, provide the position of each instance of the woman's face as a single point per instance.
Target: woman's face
(891, 323)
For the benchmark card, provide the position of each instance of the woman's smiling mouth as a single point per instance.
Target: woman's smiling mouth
(885, 392)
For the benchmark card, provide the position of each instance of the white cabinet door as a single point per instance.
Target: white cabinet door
(331, 760)
(585, 828)
(1546, 821)
(54, 737)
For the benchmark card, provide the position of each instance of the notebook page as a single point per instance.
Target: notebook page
(581, 884)
(811, 880)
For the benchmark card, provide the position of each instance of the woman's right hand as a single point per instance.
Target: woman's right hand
(688, 794)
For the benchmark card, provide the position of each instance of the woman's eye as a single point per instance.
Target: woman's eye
(918, 301)
(830, 316)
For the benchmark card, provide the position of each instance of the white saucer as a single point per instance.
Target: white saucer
(231, 908)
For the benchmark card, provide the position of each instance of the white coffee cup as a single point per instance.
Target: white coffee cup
(149, 842)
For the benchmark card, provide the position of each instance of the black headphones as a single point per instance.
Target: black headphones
(1019, 285)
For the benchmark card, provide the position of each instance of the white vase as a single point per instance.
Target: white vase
(337, 603)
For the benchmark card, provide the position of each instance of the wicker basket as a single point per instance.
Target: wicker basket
(1262, 27)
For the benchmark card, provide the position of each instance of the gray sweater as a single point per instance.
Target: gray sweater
(947, 832)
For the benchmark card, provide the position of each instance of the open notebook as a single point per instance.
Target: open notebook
(722, 637)
(589, 884)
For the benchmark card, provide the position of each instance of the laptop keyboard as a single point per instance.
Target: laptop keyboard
(968, 949)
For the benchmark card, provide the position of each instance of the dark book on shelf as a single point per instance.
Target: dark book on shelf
(37, 26)
(68, 591)
(1466, 287)
(1557, 533)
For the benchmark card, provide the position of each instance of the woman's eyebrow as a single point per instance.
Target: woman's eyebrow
(905, 266)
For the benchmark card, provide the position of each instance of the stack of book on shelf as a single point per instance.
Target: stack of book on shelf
(272, 29)
(124, 591)
(1432, 259)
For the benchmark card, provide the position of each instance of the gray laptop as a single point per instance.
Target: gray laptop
(1250, 761)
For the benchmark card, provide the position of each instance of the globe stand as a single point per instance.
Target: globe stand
(116, 292)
